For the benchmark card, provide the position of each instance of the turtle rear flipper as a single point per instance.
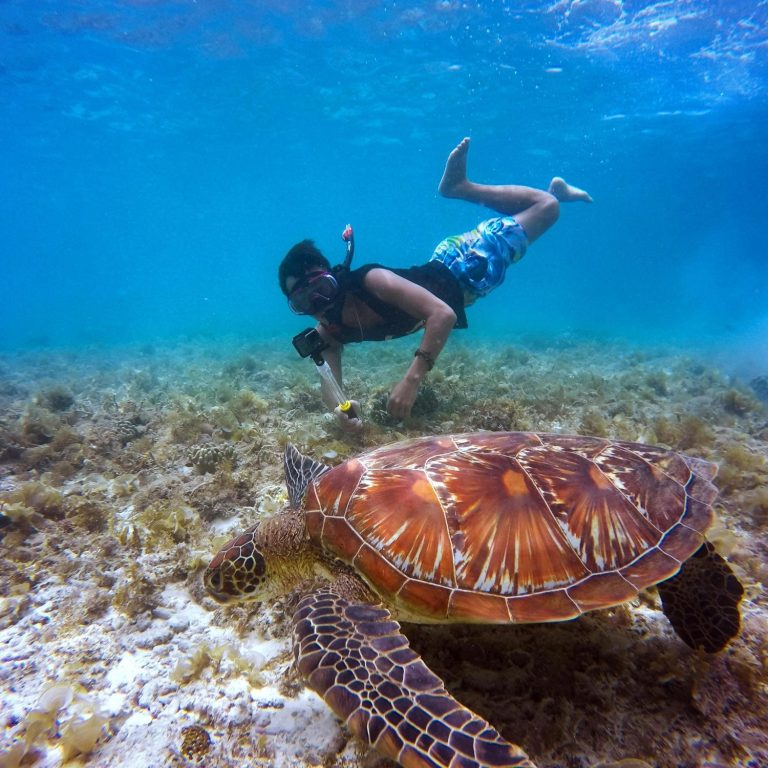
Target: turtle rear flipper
(702, 601)
(354, 655)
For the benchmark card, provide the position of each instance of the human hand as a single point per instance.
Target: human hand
(349, 420)
(401, 398)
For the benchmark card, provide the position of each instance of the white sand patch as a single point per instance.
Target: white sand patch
(127, 675)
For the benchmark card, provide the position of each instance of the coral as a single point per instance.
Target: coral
(377, 412)
(206, 458)
(190, 667)
(129, 421)
(195, 743)
(303, 396)
(127, 429)
(613, 686)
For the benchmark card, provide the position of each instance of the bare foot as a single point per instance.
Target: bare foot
(565, 193)
(455, 174)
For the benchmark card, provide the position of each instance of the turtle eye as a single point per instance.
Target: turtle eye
(214, 583)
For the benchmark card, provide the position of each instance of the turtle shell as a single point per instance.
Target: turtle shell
(500, 527)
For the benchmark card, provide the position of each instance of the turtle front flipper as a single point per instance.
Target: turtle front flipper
(354, 655)
(300, 471)
(702, 601)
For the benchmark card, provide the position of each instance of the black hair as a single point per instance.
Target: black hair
(298, 260)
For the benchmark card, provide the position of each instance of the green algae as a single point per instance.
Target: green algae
(495, 414)
(56, 398)
(740, 402)
(594, 423)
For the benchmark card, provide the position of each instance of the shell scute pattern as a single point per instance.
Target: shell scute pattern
(398, 513)
(659, 497)
(545, 606)
(499, 527)
(678, 542)
(600, 524)
(493, 553)
(389, 578)
(420, 451)
(655, 564)
(698, 517)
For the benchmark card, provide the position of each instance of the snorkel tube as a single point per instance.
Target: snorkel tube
(348, 236)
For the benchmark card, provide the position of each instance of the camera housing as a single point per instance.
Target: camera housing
(309, 343)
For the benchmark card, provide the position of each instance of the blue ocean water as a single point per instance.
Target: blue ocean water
(160, 158)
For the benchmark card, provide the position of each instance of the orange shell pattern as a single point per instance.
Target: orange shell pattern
(499, 527)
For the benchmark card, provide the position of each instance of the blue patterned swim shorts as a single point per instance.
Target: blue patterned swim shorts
(479, 259)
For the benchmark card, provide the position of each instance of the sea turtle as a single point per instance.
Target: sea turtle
(488, 527)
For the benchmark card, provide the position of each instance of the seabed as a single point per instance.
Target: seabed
(123, 470)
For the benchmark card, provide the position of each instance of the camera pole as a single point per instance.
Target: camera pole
(308, 343)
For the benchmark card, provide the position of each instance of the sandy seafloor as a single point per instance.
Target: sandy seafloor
(111, 654)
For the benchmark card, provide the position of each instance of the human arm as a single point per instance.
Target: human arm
(439, 319)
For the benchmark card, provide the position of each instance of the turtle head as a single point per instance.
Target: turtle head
(239, 570)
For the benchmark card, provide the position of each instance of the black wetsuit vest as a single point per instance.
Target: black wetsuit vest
(434, 276)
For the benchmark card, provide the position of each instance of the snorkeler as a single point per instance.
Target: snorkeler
(375, 303)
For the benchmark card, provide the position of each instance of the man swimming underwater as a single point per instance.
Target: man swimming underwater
(375, 303)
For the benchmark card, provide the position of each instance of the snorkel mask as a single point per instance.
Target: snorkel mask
(313, 293)
(316, 291)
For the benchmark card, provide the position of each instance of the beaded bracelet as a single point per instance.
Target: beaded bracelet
(429, 361)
